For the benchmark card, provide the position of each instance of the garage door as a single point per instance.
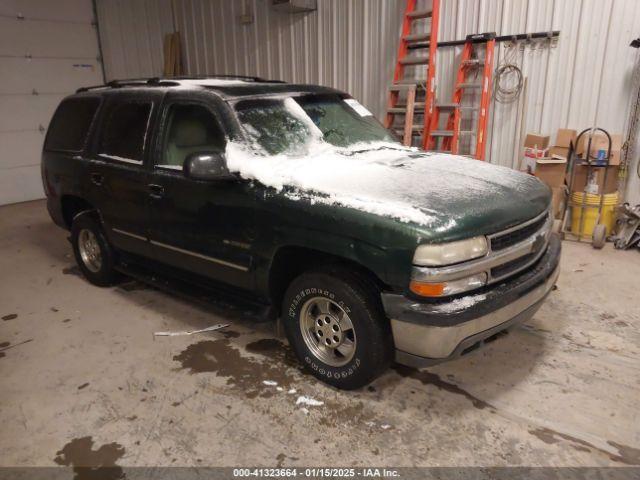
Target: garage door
(47, 50)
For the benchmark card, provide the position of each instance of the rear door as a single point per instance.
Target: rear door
(64, 163)
(117, 168)
(206, 227)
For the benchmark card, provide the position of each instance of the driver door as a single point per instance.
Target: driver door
(204, 227)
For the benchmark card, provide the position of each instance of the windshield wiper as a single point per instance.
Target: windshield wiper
(383, 147)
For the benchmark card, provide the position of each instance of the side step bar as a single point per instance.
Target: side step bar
(223, 300)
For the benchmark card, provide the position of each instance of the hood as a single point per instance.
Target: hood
(446, 197)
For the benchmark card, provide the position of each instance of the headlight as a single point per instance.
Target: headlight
(450, 287)
(450, 253)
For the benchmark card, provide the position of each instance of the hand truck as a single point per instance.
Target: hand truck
(599, 235)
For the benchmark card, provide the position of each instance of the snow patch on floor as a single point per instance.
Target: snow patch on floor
(312, 402)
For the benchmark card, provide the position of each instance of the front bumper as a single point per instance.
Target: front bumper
(428, 333)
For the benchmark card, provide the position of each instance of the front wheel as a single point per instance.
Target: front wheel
(335, 324)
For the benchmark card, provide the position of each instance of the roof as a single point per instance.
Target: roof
(228, 86)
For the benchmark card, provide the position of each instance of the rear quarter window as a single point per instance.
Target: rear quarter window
(70, 124)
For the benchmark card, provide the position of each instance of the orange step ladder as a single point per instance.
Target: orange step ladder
(470, 64)
(412, 96)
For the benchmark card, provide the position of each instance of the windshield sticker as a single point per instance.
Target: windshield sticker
(360, 109)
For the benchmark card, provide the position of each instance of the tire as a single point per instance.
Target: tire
(342, 309)
(599, 236)
(94, 255)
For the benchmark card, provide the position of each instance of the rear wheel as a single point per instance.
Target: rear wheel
(599, 236)
(335, 324)
(94, 255)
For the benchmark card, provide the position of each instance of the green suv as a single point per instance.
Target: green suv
(293, 196)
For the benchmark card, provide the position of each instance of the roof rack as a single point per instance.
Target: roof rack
(229, 76)
(172, 81)
(155, 81)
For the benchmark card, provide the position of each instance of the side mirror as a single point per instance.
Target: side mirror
(207, 166)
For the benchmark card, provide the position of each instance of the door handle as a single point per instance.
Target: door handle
(156, 191)
(97, 179)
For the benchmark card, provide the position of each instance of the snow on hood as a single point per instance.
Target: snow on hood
(381, 178)
(331, 175)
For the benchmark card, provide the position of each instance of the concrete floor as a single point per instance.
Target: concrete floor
(83, 378)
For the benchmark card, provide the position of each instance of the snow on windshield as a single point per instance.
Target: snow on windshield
(382, 178)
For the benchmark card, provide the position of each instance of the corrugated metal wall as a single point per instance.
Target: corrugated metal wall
(346, 44)
(131, 33)
(350, 44)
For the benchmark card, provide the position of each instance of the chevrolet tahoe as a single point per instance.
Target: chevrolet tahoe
(365, 251)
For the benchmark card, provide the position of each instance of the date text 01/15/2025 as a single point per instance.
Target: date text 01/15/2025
(311, 472)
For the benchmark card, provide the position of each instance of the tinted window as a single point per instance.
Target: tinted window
(124, 130)
(190, 129)
(70, 124)
(275, 125)
(289, 126)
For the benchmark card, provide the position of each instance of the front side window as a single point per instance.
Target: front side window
(291, 125)
(70, 124)
(124, 132)
(191, 128)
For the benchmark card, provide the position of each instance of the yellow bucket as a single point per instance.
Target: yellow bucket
(590, 212)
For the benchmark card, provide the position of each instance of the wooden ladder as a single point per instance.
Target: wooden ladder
(418, 90)
(470, 63)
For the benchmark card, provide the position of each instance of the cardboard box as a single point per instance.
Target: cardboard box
(561, 153)
(558, 200)
(551, 171)
(531, 156)
(565, 137)
(537, 141)
(535, 147)
(599, 142)
(580, 178)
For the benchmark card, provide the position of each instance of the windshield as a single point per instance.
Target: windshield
(291, 125)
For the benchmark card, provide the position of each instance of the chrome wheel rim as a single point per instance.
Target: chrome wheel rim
(327, 331)
(90, 250)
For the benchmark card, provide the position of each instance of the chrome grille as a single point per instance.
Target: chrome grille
(511, 251)
(505, 240)
(513, 266)
(534, 232)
